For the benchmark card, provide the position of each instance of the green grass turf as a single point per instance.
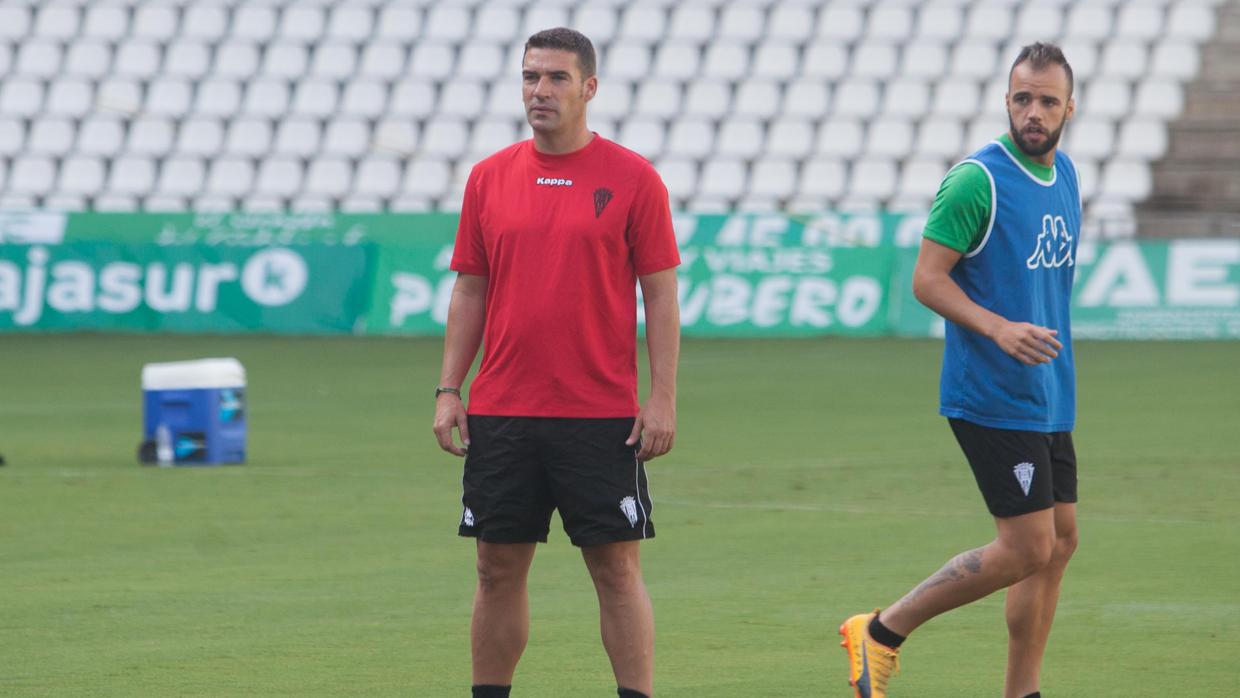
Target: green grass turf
(811, 480)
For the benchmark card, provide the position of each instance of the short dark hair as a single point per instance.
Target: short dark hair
(565, 39)
(1040, 56)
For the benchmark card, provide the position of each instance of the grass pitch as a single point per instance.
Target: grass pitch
(811, 480)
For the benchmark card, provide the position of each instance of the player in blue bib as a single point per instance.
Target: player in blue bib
(997, 262)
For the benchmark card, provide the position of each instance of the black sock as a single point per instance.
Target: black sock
(630, 693)
(1035, 694)
(884, 635)
(489, 691)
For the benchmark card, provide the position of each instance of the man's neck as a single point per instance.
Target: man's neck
(562, 143)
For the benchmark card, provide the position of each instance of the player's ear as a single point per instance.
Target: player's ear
(1071, 108)
(590, 88)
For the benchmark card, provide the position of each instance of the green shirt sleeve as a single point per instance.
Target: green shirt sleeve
(961, 211)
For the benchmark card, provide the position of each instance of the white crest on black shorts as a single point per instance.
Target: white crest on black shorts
(467, 519)
(1024, 475)
(628, 505)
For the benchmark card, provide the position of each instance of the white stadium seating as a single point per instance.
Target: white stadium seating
(382, 104)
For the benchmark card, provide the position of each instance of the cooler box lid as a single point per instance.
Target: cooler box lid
(188, 375)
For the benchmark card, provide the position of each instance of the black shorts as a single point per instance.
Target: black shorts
(520, 469)
(1018, 472)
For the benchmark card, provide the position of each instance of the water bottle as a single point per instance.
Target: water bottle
(163, 445)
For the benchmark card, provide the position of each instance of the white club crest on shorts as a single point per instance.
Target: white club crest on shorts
(1024, 475)
(467, 519)
(628, 505)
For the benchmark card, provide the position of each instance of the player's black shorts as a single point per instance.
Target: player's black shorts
(1018, 472)
(520, 469)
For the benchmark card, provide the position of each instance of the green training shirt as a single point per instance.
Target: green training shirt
(960, 214)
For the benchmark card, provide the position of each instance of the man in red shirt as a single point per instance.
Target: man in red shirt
(555, 234)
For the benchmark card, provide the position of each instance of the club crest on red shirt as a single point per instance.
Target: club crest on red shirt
(601, 198)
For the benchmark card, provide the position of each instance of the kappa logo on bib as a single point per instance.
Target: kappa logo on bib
(1054, 248)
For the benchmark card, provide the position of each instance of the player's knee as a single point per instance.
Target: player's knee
(1033, 554)
(497, 575)
(1065, 546)
(616, 574)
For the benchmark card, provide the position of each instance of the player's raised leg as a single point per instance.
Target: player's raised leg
(1030, 609)
(626, 617)
(501, 622)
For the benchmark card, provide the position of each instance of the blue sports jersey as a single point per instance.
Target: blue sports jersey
(1022, 270)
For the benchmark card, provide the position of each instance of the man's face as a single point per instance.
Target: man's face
(1038, 105)
(553, 90)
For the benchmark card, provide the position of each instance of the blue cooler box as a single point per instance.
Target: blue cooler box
(202, 406)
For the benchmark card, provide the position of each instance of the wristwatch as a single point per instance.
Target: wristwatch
(441, 389)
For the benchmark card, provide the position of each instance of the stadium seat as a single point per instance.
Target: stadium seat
(677, 61)
(12, 137)
(378, 176)
(1142, 139)
(919, 180)
(790, 25)
(642, 23)
(72, 97)
(756, 98)
(21, 97)
(825, 61)
(231, 176)
(155, 22)
(807, 98)
(1159, 98)
(1087, 176)
(1124, 59)
(504, 99)
(889, 138)
(542, 16)
(691, 138)
(38, 59)
(680, 175)
(481, 60)
(1082, 55)
(88, 59)
(614, 99)
(598, 23)
(57, 21)
(790, 138)
(974, 59)
(874, 60)
(400, 136)
(206, 22)
(1190, 21)
(708, 98)
(410, 204)
(114, 202)
(940, 22)
(150, 135)
(657, 98)
(181, 176)
(316, 98)
(709, 205)
(302, 23)
(1105, 98)
(1037, 22)
(841, 22)
(81, 175)
(220, 98)
(347, 137)
(387, 61)
(1088, 21)
(692, 22)
(444, 138)
(203, 136)
(645, 136)
(906, 97)
(1091, 138)
(741, 139)
(368, 98)
(170, 97)
(350, 23)
(266, 97)
(822, 181)
(132, 175)
(1126, 180)
(840, 138)
(890, 22)
(627, 60)
(312, 203)
(63, 202)
(956, 98)
(773, 179)
(401, 23)
(15, 22)
(940, 137)
(988, 21)
(427, 178)
(329, 177)
(100, 135)
(728, 61)
(1140, 21)
(250, 137)
(236, 59)
(983, 130)
(1175, 58)
(187, 59)
(50, 136)
(857, 98)
(723, 178)
(262, 203)
(279, 176)
(741, 23)
(923, 58)
(285, 60)
(775, 61)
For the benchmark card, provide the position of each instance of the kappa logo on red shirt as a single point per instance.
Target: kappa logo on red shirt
(553, 182)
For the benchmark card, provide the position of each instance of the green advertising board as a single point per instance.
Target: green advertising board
(743, 275)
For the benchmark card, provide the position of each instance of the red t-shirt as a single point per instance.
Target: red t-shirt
(562, 240)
